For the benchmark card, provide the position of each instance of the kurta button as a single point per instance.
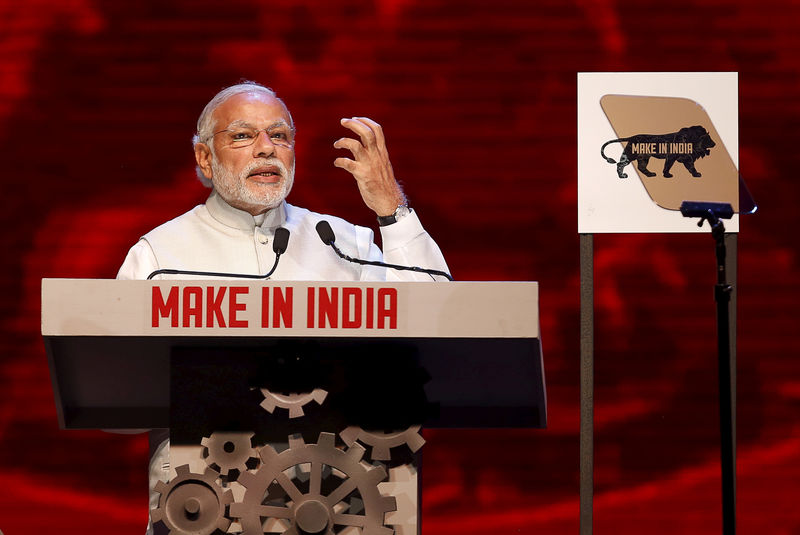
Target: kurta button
(262, 238)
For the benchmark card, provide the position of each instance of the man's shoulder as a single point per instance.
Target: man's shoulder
(179, 224)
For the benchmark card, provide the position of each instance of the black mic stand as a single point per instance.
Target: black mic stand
(217, 274)
(722, 296)
(329, 238)
(393, 266)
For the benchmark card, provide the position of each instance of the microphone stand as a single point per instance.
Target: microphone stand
(722, 296)
(393, 266)
(217, 274)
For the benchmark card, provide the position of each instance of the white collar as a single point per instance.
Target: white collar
(233, 217)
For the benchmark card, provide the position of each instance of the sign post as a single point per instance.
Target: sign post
(648, 142)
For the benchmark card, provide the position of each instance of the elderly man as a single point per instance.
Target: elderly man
(244, 148)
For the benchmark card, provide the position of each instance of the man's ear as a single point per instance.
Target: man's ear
(202, 155)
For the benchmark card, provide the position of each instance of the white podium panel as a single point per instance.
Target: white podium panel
(109, 342)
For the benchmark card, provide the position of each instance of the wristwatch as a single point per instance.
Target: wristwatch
(401, 211)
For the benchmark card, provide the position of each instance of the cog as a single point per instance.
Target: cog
(229, 451)
(383, 442)
(293, 402)
(192, 504)
(319, 506)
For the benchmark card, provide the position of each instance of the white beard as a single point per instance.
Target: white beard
(257, 198)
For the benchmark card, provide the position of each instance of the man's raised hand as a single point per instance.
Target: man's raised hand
(370, 165)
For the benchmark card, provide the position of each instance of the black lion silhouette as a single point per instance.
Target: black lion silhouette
(685, 146)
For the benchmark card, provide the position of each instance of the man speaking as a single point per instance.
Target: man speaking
(244, 148)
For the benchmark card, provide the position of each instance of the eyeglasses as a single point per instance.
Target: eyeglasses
(244, 136)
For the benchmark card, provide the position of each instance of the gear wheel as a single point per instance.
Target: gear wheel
(229, 451)
(319, 509)
(293, 402)
(192, 504)
(383, 442)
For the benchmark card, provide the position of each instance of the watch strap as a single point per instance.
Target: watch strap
(401, 211)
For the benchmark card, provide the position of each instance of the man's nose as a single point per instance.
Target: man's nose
(263, 145)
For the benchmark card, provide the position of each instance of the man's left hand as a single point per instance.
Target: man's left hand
(370, 165)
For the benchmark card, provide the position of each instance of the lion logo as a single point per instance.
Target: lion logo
(685, 146)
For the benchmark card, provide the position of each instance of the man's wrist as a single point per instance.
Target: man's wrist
(400, 212)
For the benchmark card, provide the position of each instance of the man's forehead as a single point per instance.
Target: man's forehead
(250, 124)
(252, 109)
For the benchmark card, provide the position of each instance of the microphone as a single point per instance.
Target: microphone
(326, 232)
(279, 243)
(328, 238)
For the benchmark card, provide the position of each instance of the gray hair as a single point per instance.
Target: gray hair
(206, 122)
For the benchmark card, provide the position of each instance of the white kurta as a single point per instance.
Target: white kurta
(219, 238)
(216, 237)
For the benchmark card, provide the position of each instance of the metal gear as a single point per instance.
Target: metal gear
(229, 451)
(382, 442)
(317, 510)
(192, 504)
(293, 402)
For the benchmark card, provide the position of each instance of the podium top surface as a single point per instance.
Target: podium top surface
(236, 308)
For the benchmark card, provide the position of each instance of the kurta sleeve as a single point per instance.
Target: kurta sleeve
(407, 243)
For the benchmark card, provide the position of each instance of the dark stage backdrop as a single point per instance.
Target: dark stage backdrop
(98, 99)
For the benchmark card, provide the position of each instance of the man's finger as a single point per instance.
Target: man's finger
(376, 129)
(350, 144)
(345, 163)
(362, 129)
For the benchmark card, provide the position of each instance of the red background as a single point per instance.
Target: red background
(98, 101)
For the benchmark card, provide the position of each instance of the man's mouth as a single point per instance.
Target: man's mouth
(266, 174)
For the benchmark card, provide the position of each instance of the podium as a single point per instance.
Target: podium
(113, 348)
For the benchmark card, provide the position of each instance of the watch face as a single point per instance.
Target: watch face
(401, 212)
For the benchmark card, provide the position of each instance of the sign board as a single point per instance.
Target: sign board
(87, 307)
(649, 141)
